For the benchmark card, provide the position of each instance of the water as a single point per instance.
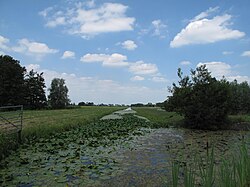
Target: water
(134, 161)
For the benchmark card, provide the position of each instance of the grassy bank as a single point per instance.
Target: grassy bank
(159, 116)
(44, 123)
(165, 119)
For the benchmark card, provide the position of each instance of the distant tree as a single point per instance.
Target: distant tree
(58, 96)
(34, 90)
(137, 105)
(81, 104)
(11, 81)
(90, 104)
(204, 101)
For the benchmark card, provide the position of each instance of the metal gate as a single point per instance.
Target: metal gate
(11, 120)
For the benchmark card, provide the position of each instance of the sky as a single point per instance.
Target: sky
(126, 51)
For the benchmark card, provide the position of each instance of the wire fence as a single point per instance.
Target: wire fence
(11, 121)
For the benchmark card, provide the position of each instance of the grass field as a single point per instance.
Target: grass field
(46, 122)
(159, 116)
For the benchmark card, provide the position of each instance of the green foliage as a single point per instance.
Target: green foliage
(34, 88)
(80, 156)
(202, 99)
(18, 87)
(240, 103)
(58, 96)
(231, 172)
(11, 81)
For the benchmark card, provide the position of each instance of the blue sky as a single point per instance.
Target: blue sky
(126, 52)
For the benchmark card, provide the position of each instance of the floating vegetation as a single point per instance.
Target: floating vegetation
(80, 156)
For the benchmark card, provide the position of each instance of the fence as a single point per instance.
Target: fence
(11, 121)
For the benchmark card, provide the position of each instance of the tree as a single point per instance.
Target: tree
(204, 101)
(58, 96)
(35, 94)
(11, 81)
(240, 97)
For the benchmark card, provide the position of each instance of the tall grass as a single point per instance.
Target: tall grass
(234, 172)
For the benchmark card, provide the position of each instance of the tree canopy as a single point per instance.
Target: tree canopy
(11, 81)
(34, 90)
(18, 87)
(203, 100)
(58, 96)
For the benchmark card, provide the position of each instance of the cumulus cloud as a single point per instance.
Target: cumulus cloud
(141, 68)
(185, 63)
(137, 78)
(202, 30)
(68, 54)
(113, 60)
(129, 45)
(246, 53)
(3, 43)
(205, 14)
(87, 20)
(220, 69)
(33, 48)
(82, 88)
(159, 28)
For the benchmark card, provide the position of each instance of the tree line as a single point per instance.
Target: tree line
(19, 87)
(206, 102)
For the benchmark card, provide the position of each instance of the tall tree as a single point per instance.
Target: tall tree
(34, 93)
(58, 96)
(204, 101)
(11, 81)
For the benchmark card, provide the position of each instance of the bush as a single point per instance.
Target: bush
(202, 99)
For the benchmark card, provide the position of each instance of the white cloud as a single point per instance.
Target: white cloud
(246, 53)
(94, 57)
(2, 53)
(159, 28)
(185, 63)
(137, 78)
(33, 48)
(220, 69)
(129, 45)
(35, 67)
(202, 30)
(205, 13)
(45, 12)
(55, 22)
(101, 90)
(90, 4)
(68, 54)
(114, 60)
(159, 79)
(227, 52)
(141, 68)
(87, 20)
(119, 60)
(3, 43)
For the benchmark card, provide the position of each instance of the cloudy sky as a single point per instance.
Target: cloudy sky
(124, 51)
